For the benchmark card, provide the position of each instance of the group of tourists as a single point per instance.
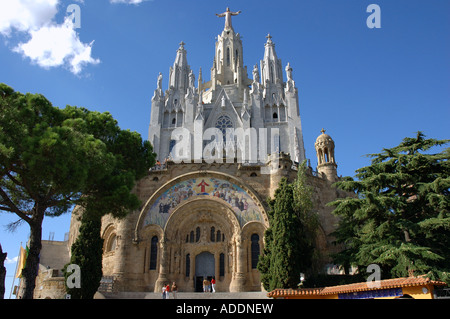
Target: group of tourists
(208, 286)
(166, 289)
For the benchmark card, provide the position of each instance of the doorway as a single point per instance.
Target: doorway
(204, 268)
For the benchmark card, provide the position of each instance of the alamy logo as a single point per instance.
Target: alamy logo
(75, 15)
(374, 280)
(73, 280)
(374, 20)
(248, 146)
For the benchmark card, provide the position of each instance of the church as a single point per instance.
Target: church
(222, 148)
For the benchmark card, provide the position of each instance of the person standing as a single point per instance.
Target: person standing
(167, 291)
(164, 292)
(174, 290)
(213, 285)
(205, 282)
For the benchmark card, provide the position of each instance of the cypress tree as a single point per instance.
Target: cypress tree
(86, 252)
(289, 239)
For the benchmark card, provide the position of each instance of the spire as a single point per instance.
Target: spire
(200, 80)
(290, 83)
(228, 67)
(179, 72)
(271, 65)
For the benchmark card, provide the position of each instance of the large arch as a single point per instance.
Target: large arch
(146, 217)
(200, 216)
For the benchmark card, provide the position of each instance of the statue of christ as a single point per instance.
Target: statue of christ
(227, 14)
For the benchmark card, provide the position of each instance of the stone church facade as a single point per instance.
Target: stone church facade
(223, 146)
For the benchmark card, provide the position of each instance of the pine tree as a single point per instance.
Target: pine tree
(52, 159)
(400, 218)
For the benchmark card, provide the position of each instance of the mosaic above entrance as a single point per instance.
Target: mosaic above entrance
(244, 207)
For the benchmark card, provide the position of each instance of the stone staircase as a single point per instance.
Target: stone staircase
(185, 295)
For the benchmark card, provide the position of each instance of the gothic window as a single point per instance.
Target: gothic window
(213, 234)
(222, 265)
(275, 116)
(255, 250)
(191, 237)
(153, 252)
(219, 236)
(224, 122)
(228, 56)
(188, 265)
(197, 234)
(173, 121)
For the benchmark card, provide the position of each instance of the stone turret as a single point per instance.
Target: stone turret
(326, 164)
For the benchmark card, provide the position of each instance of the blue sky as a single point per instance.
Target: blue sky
(369, 88)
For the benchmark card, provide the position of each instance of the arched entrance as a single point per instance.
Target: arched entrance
(204, 268)
(206, 222)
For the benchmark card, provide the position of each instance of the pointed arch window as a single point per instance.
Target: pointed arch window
(271, 74)
(219, 236)
(224, 122)
(228, 57)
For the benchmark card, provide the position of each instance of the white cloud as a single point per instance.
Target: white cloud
(127, 1)
(50, 44)
(58, 45)
(11, 261)
(25, 15)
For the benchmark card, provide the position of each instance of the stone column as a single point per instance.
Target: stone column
(162, 279)
(217, 267)
(191, 282)
(238, 281)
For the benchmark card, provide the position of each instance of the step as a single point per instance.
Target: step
(186, 295)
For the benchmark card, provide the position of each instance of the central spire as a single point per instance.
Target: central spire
(227, 14)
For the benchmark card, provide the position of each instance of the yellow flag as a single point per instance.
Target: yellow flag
(21, 262)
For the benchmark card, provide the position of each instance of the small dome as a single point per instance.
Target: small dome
(324, 139)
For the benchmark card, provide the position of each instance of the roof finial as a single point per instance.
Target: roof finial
(323, 131)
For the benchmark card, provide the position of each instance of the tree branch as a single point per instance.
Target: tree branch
(12, 207)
